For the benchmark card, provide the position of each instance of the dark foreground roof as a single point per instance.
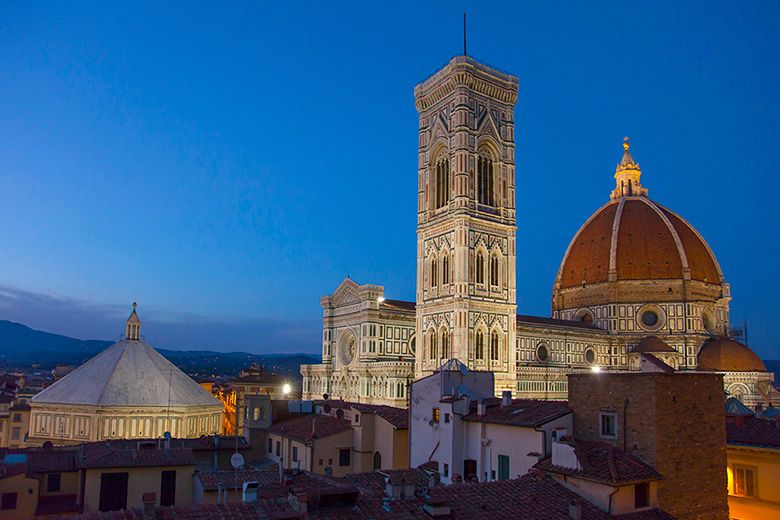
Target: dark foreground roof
(764, 433)
(520, 412)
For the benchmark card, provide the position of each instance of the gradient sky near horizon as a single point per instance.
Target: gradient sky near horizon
(226, 164)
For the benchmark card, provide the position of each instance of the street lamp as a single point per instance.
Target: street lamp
(286, 389)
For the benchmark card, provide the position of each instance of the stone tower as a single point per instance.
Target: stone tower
(466, 285)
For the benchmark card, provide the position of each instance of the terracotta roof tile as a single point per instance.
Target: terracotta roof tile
(521, 412)
(653, 344)
(602, 462)
(754, 432)
(311, 427)
(211, 480)
(725, 354)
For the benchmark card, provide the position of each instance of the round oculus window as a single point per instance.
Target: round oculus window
(590, 356)
(542, 353)
(650, 318)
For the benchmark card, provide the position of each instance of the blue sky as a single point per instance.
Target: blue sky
(226, 165)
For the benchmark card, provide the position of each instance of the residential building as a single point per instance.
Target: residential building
(473, 436)
(317, 443)
(753, 455)
(18, 492)
(672, 421)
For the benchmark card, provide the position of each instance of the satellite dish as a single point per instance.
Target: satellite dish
(237, 460)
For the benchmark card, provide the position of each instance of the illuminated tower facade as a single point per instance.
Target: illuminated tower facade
(466, 284)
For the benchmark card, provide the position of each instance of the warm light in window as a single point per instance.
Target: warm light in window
(286, 389)
(595, 369)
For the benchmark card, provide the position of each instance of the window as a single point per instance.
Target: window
(494, 270)
(295, 454)
(357, 418)
(744, 481)
(608, 424)
(641, 495)
(542, 353)
(344, 457)
(53, 482)
(494, 346)
(436, 415)
(590, 356)
(480, 347)
(8, 501)
(445, 270)
(442, 182)
(270, 445)
(278, 448)
(503, 467)
(377, 460)
(15, 432)
(446, 417)
(17, 417)
(446, 470)
(434, 273)
(485, 181)
(649, 318)
(433, 351)
(445, 345)
(320, 462)
(480, 268)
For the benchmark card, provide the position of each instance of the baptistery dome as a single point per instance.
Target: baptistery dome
(633, 249)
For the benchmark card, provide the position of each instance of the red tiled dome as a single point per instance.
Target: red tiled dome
(727, 355)
(640, 240)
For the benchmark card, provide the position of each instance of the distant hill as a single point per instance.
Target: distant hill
(21, 344)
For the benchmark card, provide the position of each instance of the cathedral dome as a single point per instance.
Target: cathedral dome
(636, 240)
(727, 355)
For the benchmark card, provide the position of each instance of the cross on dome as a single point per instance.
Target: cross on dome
(133, 326)
(627, 174)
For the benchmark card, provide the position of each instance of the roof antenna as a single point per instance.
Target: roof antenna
(464, 34)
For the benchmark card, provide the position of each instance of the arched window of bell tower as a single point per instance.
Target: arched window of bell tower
(442, 178)
(494, 346)
(445, 269)
(434, 272)
(479, 346)
(485, 179)
(479, 267)
(494, 270)
(432, 347)
(445, 344)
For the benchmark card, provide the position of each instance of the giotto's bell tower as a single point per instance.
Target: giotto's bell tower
(466, 286)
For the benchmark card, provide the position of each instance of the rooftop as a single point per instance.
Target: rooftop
(213, 480)
(763, 433)
(602, 462)
(521, 412)
(311, 427)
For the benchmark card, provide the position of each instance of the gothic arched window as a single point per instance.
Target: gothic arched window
(434, 273)
(494, 270)
(445, 270)
(445, 345)
(480, 345)
(494, 346)
(434, 349)
(442, 182)
(480, 274)
(485, 191)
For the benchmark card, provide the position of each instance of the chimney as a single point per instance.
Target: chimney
(437, 507)
(506, 398)
(149, 500)
(759, 411)
(481, 407)
(575, 510)
(313, 426)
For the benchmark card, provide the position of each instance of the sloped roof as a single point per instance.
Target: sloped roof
(128, 373)
(311, 427)
(754, 432)
(653, 344)
(520, 412)
(735, 407)
(603, 462)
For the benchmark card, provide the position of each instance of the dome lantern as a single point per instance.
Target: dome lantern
(627, 174)
(133, 326)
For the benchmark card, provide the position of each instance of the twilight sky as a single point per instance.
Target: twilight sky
(227, 165)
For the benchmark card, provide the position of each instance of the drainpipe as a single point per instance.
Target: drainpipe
(609, 510)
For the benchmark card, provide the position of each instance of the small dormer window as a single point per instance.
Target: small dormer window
(357, 418)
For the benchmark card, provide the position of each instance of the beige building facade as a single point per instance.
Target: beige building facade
(634, 269)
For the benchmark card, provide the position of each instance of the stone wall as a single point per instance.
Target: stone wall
(674, 422)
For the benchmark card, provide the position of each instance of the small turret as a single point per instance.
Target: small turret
(133, 326)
